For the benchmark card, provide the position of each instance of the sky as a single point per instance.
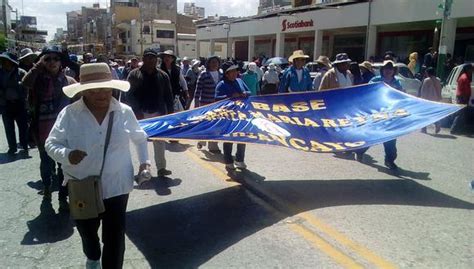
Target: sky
(51, 14)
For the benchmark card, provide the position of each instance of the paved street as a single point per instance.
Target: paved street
(290, 209)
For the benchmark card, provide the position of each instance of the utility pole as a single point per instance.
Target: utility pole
(442, 50)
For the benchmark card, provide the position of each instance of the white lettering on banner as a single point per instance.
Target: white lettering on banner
(285, 24)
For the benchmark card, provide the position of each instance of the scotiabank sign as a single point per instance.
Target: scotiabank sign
(286, 25)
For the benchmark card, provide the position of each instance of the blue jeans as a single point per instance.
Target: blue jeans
(47, 167)
(15, 111)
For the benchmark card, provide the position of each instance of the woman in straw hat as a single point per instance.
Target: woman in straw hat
(296, 78)
(77, 141)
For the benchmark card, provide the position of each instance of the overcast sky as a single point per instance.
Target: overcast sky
(51, 14)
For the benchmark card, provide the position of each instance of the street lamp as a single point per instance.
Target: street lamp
(226, 26)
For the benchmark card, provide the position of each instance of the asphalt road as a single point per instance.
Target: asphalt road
(290, 209)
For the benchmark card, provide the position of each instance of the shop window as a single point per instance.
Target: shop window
(164, 34)
(146, 30)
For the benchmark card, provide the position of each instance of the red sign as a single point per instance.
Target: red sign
(285, 24)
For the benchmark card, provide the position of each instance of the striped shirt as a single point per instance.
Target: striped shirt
(205, 89)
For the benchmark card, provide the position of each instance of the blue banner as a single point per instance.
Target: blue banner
(327, 121)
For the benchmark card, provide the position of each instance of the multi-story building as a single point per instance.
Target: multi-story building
(360, 28)
(94, 28)
(74, 26)
(266, 6)
(191, 10)
(27, 34)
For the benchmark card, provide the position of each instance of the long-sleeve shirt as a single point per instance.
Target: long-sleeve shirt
(431, 89)
(150, 93)
(290, 82)
(77, 129)
(205, 89)
(251, 80)
(226, 88)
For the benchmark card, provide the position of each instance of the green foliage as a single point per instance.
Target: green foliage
(3, 42)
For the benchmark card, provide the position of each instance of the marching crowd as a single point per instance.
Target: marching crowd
(68, 106)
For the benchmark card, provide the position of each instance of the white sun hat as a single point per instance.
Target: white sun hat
(94, 76)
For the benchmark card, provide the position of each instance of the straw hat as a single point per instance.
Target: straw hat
(94, 76)
(297, 54)
(324, 60)
(167, 52)
(367, 65)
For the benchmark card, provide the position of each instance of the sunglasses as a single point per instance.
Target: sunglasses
(49, 59)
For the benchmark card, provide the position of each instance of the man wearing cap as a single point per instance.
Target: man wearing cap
(339, 75)
(324, 64)
(78, 141)
(206, 91)
(232, 87)
(296, 78)
(46, 98)
(13, 105)
(132, 64)
(151, 96)
(178, 83)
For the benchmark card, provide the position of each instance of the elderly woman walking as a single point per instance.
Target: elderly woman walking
(91, 139)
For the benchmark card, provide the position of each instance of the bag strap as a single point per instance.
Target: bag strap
(107, 139)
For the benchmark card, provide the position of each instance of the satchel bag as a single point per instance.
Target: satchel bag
(85, 195)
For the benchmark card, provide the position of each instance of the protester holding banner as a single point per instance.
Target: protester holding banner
(206, 91)
(431, 90)
(232, 87)
(387, 75)
(296, 78)
(151, 96)
(339, 76)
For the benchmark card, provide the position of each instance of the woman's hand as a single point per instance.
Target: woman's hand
(76, 156)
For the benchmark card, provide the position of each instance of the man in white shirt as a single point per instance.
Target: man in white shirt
(77, 140)
(339, 76)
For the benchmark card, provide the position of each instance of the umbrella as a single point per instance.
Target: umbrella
(276, 60)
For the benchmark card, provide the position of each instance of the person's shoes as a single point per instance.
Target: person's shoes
(423, 130)
(24, 153)
(437, 129)
(174, 141)
(391, 165)
(91, 264)
(163, 172)
(360, 157)
(240, 165)
(229, 166)
(199, 146)
(215, 151)
(46, 192)
(11, 151)
(63, 206)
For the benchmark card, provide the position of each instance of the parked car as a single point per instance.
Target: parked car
(448, 91)
(313, 68)
(409, 83)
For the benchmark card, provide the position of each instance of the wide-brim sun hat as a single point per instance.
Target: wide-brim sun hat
(169, 53)
(297, 54)
(95, 76)
(324, 60)
(367, 65)
(27, 53)
(9, 57)
(229, 66)
(341, 58)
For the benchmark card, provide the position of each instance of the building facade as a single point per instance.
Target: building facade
(361, 29)
(190, 9)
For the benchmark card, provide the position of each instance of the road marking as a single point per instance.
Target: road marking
(299, 228)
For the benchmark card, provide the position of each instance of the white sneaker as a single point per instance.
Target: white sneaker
(91, 264)
(230, 166)
(240, 165)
